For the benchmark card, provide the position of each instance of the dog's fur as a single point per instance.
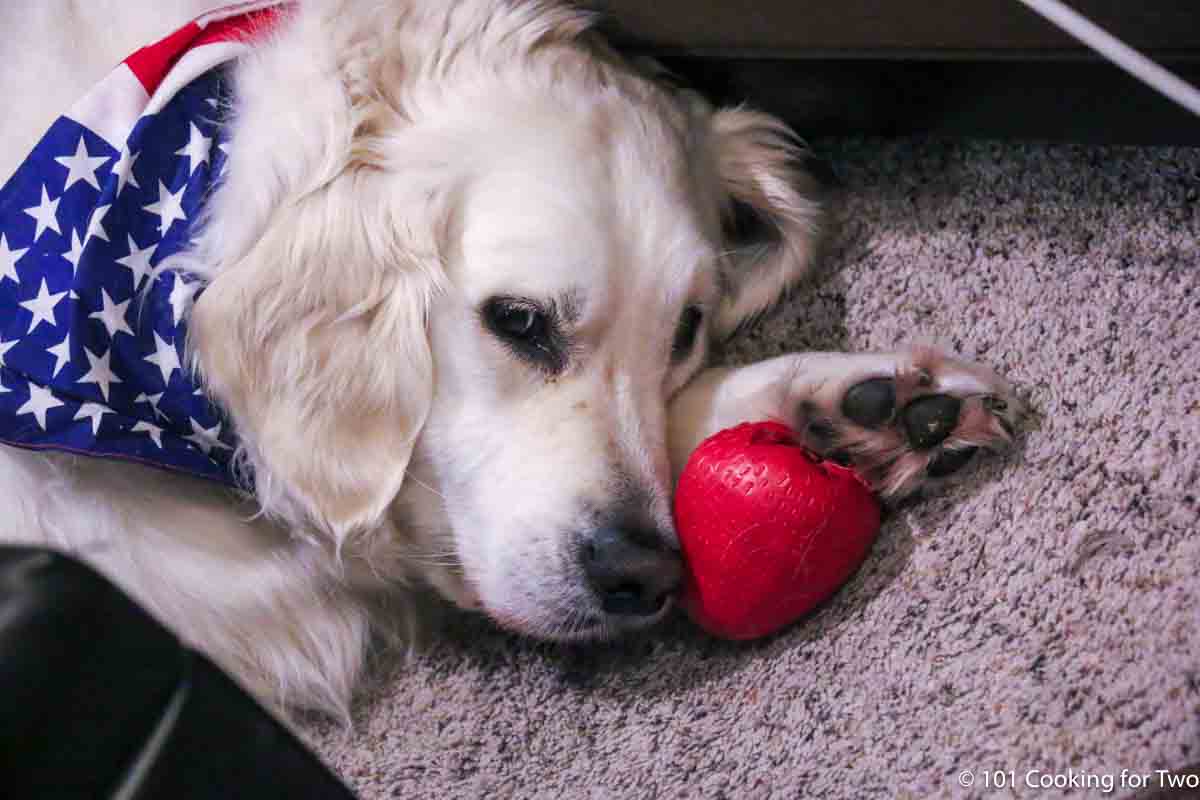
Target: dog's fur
(410, 162)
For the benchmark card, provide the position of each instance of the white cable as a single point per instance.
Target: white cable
(1118, 52)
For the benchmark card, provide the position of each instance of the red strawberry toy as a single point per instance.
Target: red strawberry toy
(768, 529)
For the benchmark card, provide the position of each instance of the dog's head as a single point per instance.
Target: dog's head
(474, 256)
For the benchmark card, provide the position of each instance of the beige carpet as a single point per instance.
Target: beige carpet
(1043, 614)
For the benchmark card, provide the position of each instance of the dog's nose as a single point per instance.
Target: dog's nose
(630, 571)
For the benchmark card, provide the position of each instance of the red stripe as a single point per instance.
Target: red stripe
(152, 63)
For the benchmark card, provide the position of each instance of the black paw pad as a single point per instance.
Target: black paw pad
(949, 462)
(841, 458)
(929, 420)
(821, 432)
(870, 403)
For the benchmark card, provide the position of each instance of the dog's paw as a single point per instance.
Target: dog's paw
(907, 419)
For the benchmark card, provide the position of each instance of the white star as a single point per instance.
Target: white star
(42, 306)
(95, 224)
(72, 256)
(45, 215)
(93, 411)
(5, 347)
(82, 166)
(61, 353)
(181, 297)
(168, 208)
(196, 150)
(212, 101)
(123, 169)
(165, 357)
(153, 430)
(152, 399)
(3, 389)
(206, 438)
(9, 259)
(100, 372)
(40, 401)
(112, 315)
(138, 261)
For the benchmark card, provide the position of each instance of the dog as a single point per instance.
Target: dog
(459, 313)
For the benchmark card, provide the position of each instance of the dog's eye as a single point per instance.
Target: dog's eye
(518, 322)
(526, 328)
(685, 332)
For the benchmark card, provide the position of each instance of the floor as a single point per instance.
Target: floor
(1040, 618)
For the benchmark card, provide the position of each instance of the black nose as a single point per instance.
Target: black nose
(630, 571)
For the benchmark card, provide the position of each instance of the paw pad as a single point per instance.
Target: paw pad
(930, 419)
(907, 428)
(870, 403)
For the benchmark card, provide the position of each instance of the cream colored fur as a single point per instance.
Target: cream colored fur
(405, 162)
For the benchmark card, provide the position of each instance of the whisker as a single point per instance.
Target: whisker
(446, 558)
(424, 485)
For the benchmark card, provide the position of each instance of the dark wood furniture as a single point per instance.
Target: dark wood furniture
(949, 67)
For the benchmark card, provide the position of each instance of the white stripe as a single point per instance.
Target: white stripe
(225, 12)
(112, 107)
(193, 64)
(116, 103)
(1119, 53)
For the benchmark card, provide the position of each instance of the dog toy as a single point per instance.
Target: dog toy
(768, 529)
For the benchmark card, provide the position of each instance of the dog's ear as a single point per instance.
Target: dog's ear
(323, 251)
(772, 212)
(315, 341)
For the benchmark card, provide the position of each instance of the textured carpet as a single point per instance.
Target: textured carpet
(1040, 615)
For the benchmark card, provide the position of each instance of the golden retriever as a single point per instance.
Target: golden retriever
(459, 310)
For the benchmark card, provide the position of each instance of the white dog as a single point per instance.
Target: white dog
(459, 312)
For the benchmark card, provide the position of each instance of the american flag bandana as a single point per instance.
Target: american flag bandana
(91, 335)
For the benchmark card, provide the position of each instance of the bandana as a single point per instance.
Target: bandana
(91, 334)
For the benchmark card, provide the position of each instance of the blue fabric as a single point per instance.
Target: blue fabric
(92, 352)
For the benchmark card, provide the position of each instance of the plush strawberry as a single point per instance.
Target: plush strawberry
(768, 529)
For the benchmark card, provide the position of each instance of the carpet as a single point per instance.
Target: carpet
(1037, 623)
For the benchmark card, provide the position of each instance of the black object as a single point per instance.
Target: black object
(98, 700)
(930, 419)
(855, 67)
(871, 402)
(1085, 101)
